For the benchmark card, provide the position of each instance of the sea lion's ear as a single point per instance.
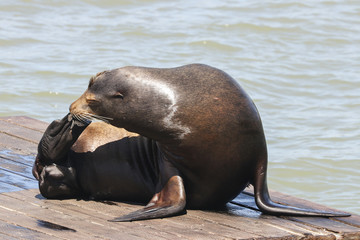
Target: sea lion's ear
(91, 81)
(118, 95)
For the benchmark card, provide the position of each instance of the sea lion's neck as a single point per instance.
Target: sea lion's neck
(152, 109)
(159, 124)
(156, 131)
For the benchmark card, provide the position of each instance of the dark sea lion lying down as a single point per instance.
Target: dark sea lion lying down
(199, 142)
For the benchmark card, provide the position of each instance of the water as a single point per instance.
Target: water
(299, 60)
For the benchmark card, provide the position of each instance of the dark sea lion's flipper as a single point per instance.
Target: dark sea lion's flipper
(170, 201)
(58, 138)
(266, 205)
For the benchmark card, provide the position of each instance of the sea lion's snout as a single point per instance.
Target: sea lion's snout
(81, 105)
(88, 108)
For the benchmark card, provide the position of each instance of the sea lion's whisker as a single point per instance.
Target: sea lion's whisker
(100, 117)
(92, 117)
(77, 117)
(86, 118)
(82, 118)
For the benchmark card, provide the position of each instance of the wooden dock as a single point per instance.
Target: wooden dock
(25, 214)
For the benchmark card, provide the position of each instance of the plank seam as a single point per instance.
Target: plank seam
(8, 235)
(16, 161)
(50, 208)
(11, 184)
(198, 217)
(314, 226)
(14, 223)
(36, 218)
(16, 173)
(226, 225)
(14, 123)
(22, 138)
(347, 223)
(317, 234)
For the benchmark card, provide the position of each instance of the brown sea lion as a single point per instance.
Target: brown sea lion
(201, 136)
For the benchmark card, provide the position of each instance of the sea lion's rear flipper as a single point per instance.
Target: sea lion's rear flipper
(266, 205)
(170, 201)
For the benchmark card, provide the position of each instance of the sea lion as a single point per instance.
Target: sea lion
(203, 133)
(104, 163)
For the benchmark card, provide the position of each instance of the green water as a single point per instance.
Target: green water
(299, 60)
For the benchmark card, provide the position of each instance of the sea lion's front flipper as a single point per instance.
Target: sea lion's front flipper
(170, 201)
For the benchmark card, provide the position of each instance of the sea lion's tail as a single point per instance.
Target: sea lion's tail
(266, 205)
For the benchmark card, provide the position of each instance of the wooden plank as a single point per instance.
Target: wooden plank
(185, 222)
(292, 227)
(337, 225)
(58, 213)
(87, 214)
(6, 187)
(202, 221)
(17, 145)
(15, 175)
(21, 219)
(44, 220)
(14, 166)
(327, 224)
(185, 227)
(20, 132)
(193, 222)
(13, 231)
(27, 160)
(353, 220)
(265, 226)
(340, 224)
(7, 237)
(26, 122)
(17, 179)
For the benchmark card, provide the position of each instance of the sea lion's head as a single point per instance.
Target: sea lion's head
(130, 98)
(101, 92)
